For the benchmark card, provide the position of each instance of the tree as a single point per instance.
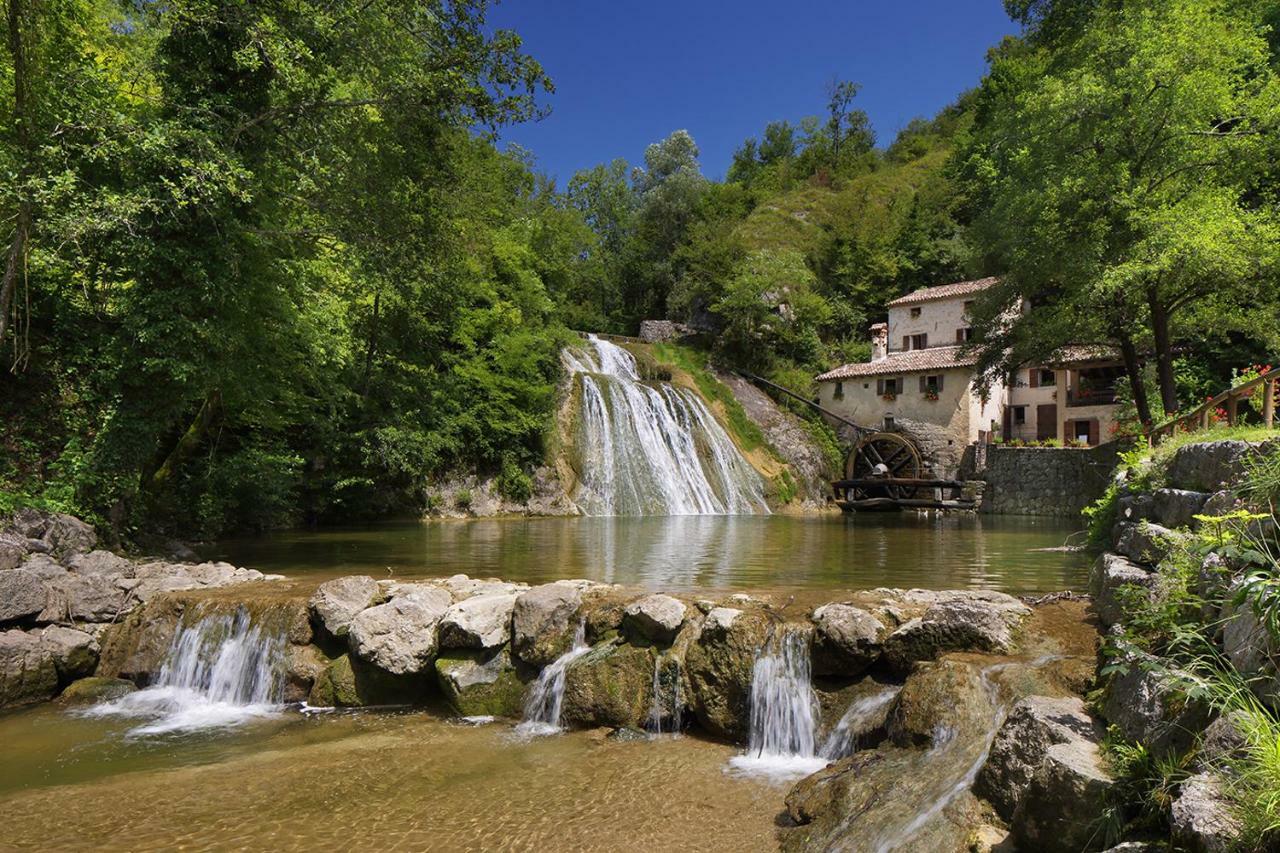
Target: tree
(1114, 176)
(768, 309)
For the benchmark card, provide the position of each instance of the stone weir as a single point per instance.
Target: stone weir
(934, 720)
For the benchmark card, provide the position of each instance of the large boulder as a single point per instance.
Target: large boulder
(28, 672)
(847, 640)
(981, 621)
(43, 566)
(1177, 507)
(611, 685)
(938, 700)
(101, 563)
(543, 622)
(1145, 542)
(1202, 817)
(303, 667)
(13, 550)
(1112, 574)
(1146, 702)
(462, 587)
(63, 534)
(335, 603)
(94, 690)
(1208, 466)
(483, 622)
(479, 683)
(1033, 726)
(1059, 811)
(719, 666)
(22, 595)
(351, 683)
(400, 635)
(655, 618)
(86, 598)
(75, 653)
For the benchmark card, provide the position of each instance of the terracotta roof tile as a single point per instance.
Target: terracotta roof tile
(1074, 354)
(915, 361)
(943, 291)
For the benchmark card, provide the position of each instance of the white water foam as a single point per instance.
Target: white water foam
(219, 672)
(543, 705)
(843, 739)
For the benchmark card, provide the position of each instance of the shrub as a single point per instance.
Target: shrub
(514, 483)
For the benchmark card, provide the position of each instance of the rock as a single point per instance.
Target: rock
(43, 566)
(462, 587)
(94, 690)
(350, 683)
(543, 622)
(75, 653)
(1224, 740)
(721, 618)
(1248, 645)
(1033, 725)
(335, 603)
(960, 622)
(136, 646)
(847, 640)
(611, 685)
(22, 595)
(478, 683)
(27, 669)
(399, 636)
(1112, 574)
(1220, 502)
(100, 563)
(1177, 507)
(1142, 699)
(628, 734)
(64, 534)
(1202, 817)
(1210, 465)
(1068, 792)
(304, 665)
(13, 550)
(719, 666)
(85, 598)
(938, 700)
(1135, 508)
(656, 618)
(483, 622)
(1145, 542)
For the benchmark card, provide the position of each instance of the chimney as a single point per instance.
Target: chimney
(879, 341)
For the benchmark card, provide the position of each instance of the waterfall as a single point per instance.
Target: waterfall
(221, 669)
(782, 738)
(659, 710)
(843, 739)
(542, 707)
(652, 448)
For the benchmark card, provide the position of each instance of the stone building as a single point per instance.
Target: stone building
(919, 374)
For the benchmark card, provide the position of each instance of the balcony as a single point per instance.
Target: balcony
(1079, 397)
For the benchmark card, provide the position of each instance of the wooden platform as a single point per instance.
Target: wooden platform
(860, 495)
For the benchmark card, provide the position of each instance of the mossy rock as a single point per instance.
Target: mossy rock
(719, 667)
(348, 683)
(95, 689)
(611, 685)
(477, 683)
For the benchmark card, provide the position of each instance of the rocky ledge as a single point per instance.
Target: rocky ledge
(59, 595)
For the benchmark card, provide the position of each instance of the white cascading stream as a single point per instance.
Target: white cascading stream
(782, 741)
(653, 448)
(546, 696)
(221, 670)
(659, 710)
(843, 739)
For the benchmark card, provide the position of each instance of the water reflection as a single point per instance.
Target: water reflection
(693, 553)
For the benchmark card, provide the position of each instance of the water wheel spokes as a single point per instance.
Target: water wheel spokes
(883, 455)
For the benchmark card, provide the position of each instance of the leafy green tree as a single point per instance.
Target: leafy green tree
(769, 310)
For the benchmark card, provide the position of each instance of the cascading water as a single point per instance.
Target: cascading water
(661, 711)
(221, 669)
(843, 739)
(542, 707)
(784, 719)
(652, 448)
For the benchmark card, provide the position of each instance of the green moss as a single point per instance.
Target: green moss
(476, 684)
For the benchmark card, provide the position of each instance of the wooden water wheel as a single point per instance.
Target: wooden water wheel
(882, 456)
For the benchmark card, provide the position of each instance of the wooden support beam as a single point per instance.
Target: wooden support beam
(1233, 403)
(1269, 403)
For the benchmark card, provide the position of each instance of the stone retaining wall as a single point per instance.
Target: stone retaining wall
(1052, 481)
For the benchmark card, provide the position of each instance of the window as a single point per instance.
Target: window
(888, 423)
(968, 306)
(931, 385)
(915, 312)
(910, 342)
(1020, 415)
(1082, 431)
(1042, 377)
(889, 387)
(838, 394)
(964, 335)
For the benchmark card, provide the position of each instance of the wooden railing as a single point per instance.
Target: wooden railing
(1202, 416)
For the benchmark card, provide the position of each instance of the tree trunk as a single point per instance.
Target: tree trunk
(22, 131)
(210, 412)
(1164, 350)
(1132, 368)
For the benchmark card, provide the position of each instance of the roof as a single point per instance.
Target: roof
(914, 361)
(1075, 354)
(943, 291)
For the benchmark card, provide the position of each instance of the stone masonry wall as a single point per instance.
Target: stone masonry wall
(1052, 481)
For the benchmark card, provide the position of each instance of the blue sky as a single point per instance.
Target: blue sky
(627, 73)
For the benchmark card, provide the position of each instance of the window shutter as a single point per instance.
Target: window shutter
(924, 384)
(959, 336)
(940, 378)
(906, 342)
(924, 340)
(880, 386)
(1033, 377)
(1093, 432)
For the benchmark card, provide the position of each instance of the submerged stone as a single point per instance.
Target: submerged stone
(95, 689)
